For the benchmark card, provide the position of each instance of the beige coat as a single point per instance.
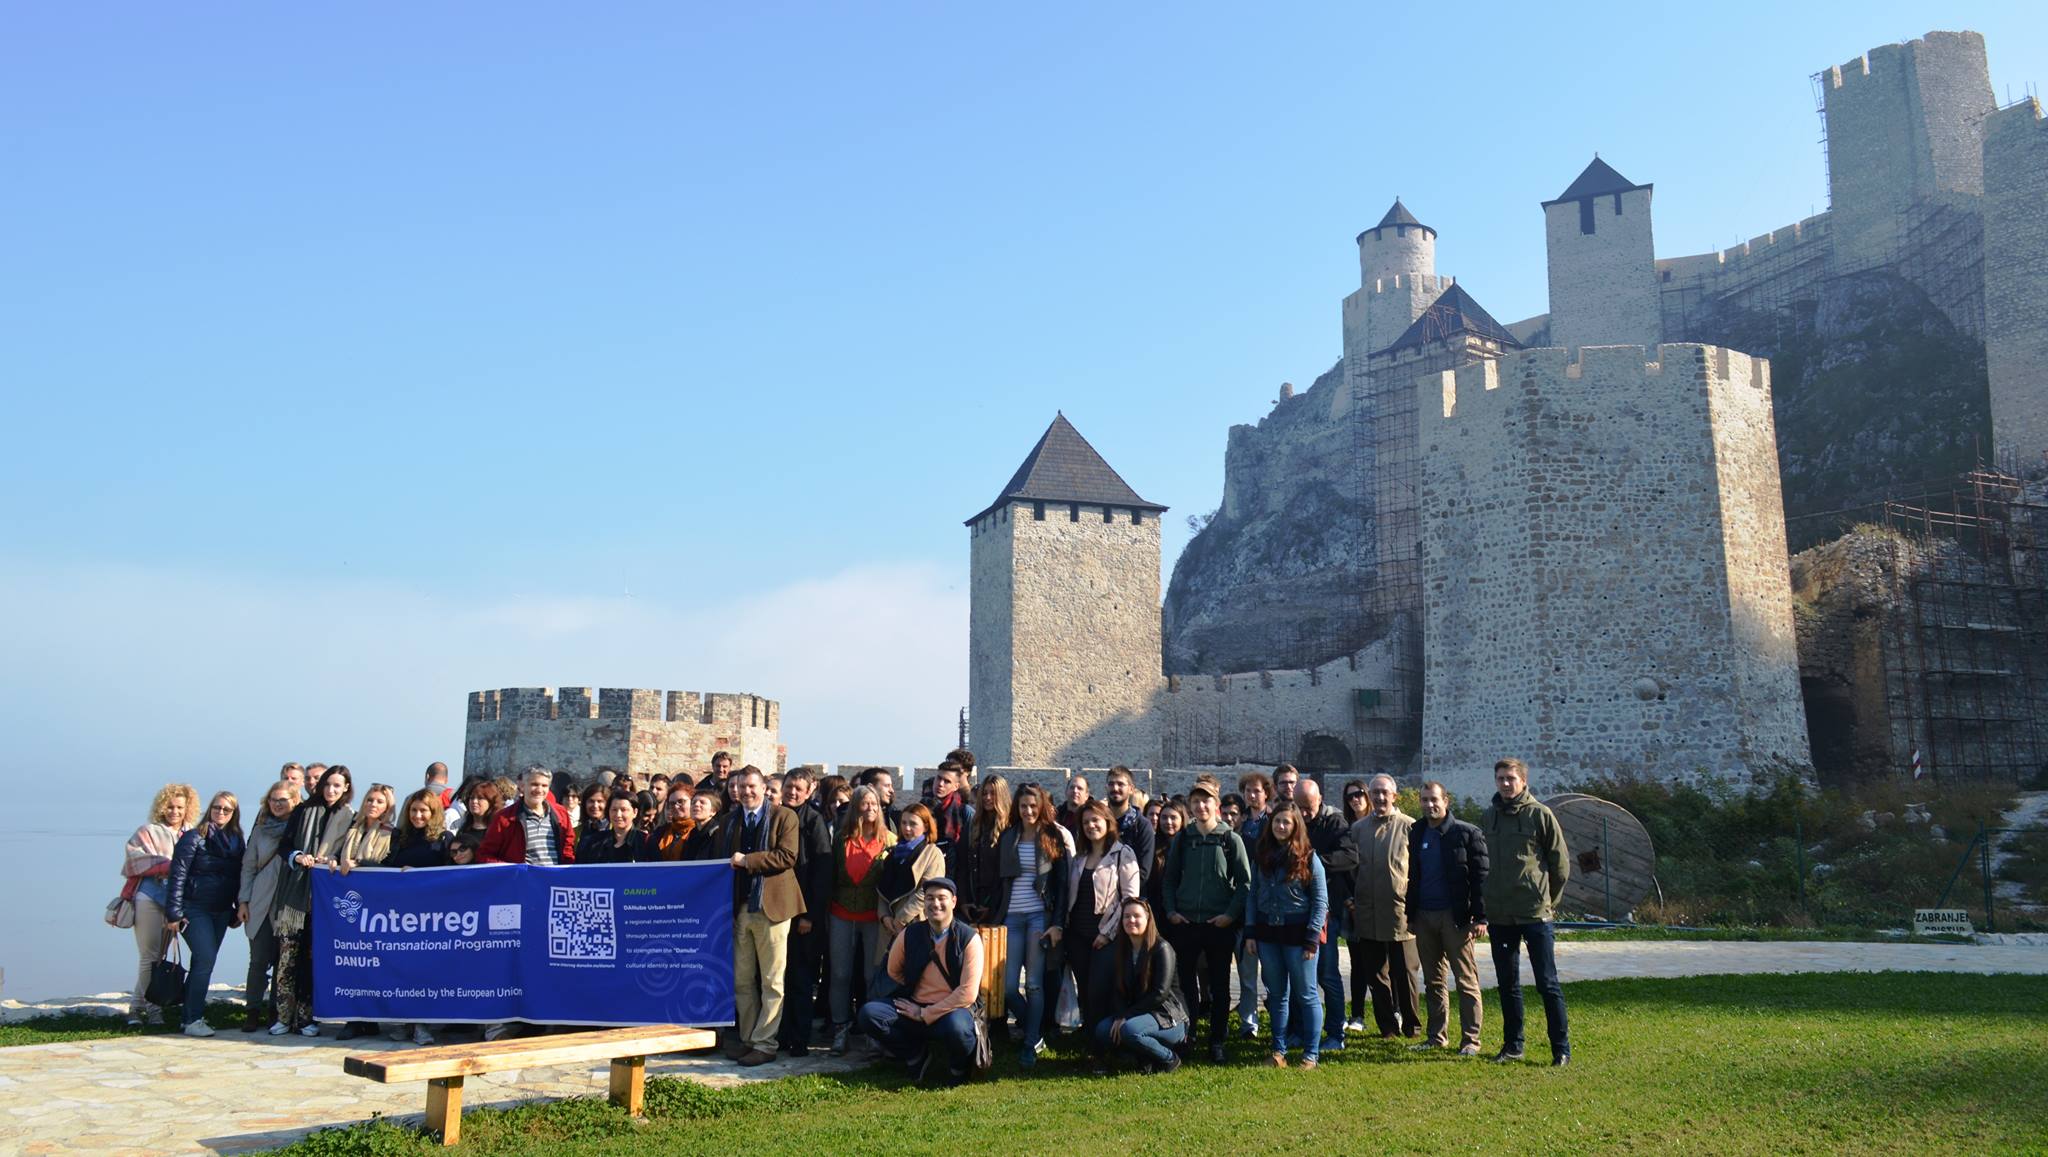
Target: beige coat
(1380, 885)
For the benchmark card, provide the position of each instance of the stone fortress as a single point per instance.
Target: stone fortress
(1564, 538)
(583, 731)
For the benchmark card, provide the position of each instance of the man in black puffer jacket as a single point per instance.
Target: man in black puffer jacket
(1446, 910)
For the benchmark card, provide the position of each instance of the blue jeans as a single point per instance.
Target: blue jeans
(203, 933)
(1293, 1001)
(1024, 979)
(905, 1039)
(1143, 1038)
(1330, 983)
(1507, 940)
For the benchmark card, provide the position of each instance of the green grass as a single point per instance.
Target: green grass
(75, 1026)
(1840, 1063)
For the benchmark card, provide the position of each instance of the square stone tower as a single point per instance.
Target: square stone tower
(1064, 659)
(1603, 276)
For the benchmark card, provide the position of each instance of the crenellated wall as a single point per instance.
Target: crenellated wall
(582, 730)
(1604, 566)
(1904, 126)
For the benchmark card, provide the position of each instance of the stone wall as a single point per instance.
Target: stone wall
(2016, 284)
(1287, 715)
(1597, 604)
(582, 730)
(1076, 590)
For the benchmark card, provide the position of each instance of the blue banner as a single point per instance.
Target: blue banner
(599, 944)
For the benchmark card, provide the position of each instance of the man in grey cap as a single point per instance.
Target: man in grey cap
(936, 964)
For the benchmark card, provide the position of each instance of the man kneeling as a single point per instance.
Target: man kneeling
(937, 961)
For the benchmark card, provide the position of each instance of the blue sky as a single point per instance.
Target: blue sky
(355, 359)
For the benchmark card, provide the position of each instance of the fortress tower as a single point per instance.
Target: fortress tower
(1905, 127)
(1397, 281)
(1603, 549)
(583, 731)
(2016, 284)
(1064, 663)
(1603, 277)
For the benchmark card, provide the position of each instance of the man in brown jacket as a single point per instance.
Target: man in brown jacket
(1379, 914)
(760, 838)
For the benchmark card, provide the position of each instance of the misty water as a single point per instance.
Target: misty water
(55, 881)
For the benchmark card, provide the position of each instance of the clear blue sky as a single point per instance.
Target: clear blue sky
(354, 358)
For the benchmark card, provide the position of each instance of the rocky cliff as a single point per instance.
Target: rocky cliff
(1273, 579)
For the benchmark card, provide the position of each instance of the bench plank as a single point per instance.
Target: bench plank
(527, 1053)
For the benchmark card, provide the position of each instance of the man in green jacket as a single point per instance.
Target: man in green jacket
(1523, 887)
(1208, 875)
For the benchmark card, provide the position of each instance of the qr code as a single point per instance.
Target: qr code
(582, 924)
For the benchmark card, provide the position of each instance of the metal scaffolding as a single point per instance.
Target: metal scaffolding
(1966, 645)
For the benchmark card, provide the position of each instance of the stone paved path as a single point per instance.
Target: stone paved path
(237, 1093)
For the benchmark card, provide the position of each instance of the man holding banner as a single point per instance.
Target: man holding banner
(760, 841)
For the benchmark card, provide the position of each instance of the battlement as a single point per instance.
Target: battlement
(1767, 247)
(1892, 60)
(1432, 283)
(621, 703)
(1479, 388)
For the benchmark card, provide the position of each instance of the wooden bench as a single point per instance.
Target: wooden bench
(444, 1067)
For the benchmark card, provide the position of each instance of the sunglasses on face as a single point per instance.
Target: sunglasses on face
(221, 807)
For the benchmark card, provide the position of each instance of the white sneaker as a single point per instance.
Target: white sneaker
(310, 1030)
(199, 1028)
(420, 1035)
(278, 1029)
(1354, 1026)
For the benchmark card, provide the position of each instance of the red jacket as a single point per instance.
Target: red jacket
(505, 840)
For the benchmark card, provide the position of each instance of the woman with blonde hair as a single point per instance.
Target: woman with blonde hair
(980, 867)
(856, 935)
(147, 867)
(205, 874)
(313, 840)
(369, 836)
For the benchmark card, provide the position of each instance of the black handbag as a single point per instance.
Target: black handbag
(166, 988)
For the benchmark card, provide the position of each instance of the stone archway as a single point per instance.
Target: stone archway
(1323, 755)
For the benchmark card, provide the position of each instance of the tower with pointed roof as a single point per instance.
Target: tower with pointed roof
(1397, 280)
(1064, 655)
(1603, 276)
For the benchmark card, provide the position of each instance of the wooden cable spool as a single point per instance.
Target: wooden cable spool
(1614, 866)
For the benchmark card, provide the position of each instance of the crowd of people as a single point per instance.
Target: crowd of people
(862, 921)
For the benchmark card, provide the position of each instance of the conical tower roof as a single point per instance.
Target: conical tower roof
(1598, 179)
(1063, 467)
(1453, 312)
(1398, 215)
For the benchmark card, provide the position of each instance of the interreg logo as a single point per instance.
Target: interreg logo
(350, 905)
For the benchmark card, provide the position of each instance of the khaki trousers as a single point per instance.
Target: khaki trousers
(1444, 947)
(760, 956)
